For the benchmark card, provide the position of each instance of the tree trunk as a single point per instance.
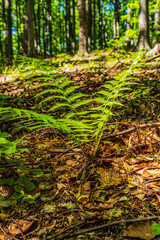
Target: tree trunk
(143, 40)
(74, 27)
(4, 27)
(29, 29)
(128, 27)
(17, 25)
(94, 24)
(100, 25)
(68, 27)
(39, 29)
(157, 20)
(44, 29)
(116, 19)
(83, 28)
(89, 25)
(50, 25)
(9, 21)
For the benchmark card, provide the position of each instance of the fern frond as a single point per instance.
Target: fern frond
(48, 91)
(59, 105)
(51, 98)
(76, 96)
(71, 89)
(64, 84)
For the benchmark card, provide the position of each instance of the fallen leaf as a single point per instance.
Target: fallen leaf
(142, 230)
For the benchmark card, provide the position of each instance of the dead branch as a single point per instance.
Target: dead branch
(104, 226)
(130, 130)
(149, 60)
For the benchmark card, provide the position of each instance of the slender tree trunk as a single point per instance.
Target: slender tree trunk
(39, 29)
(1, 48)
(157, 21)
(30, 11)
(100, 25)
(50, 25)
(36, 31)
(9, 20)
(143, 40)
(83, 28)
(94, 24)
(44, 30)
(74, 27)
(17, 25)
(4, 27)
(29, 49)
(25, 38)
(68, 27)
(116, 19)
(89, 25)
(128, 27)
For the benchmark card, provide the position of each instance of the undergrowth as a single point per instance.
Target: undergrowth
(84, 117)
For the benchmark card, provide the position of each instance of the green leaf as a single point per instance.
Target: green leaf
(156, 228)
(25, 182)
(7, 181)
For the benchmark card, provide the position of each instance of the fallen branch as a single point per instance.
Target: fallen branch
(130, 130)
(81, 232)
(149, 60)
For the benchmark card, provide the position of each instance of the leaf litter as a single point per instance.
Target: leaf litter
(76, 197)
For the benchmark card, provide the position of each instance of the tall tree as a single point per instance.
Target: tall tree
(68, 27)
(83, 28)
(9, 21)
(143, 40)
(116, 24)
(157, 21)
(128, 27)
(100, 25)
(29, 29)
(50, 24)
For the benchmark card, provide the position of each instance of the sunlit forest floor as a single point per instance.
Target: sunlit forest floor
(115, 195)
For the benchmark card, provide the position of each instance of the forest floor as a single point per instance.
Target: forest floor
(114, 195)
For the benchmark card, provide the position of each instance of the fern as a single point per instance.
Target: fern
(110, 93)
(85, 116)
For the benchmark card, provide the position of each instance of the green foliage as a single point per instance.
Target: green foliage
(156, 228)
(8, 147)
(4, 100)
(78, 118)
(23, 183)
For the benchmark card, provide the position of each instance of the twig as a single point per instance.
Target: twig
(130, 130)
(66, 229)
(104, 226)
(149, 60)
(7, 235)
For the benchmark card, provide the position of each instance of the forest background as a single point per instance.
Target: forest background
(46, 28)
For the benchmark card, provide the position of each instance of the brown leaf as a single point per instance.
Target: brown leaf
(140, 230)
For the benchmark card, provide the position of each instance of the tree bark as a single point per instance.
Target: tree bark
(9, 21)
(116, 19)
(50, 25)
(100, 25)
(128, 27)
(143, 40)
(157, 20)
(29, 29)
(83, 28)
(74, 27)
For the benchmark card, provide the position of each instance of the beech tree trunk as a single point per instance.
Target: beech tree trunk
(83, 28)
(143, 40)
